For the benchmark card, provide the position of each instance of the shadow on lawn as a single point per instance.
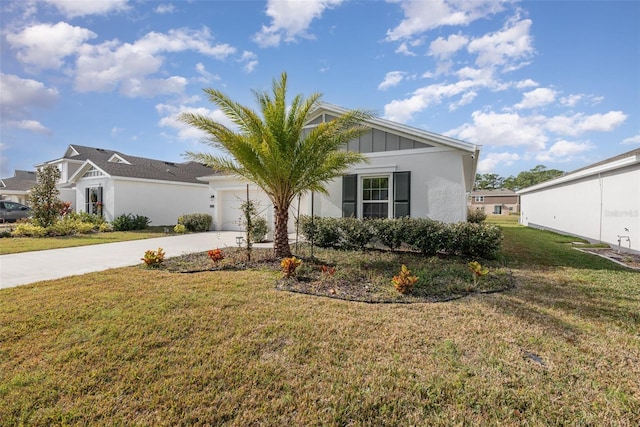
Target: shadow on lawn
(538, 295)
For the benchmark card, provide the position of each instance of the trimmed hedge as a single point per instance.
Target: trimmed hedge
(197, 222)
(127, 222)
(423, 235)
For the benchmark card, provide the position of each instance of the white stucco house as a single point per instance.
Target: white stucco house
(97, 180)
(600, 202)
(411, 172)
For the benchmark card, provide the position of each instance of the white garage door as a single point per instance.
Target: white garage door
(230, 212)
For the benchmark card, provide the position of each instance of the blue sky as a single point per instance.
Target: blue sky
(540, 82)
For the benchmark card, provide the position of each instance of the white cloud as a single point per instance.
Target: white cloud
(403, 49)
(250, 61)
(186, 132)
(73, 8)
(503, 129)
(403, 110)
(445, 48)
(421, 16)
(18, 97)
(581, 123)
(290, 19)
(525, 84)
(111, 64)
(46, 46)
(29, 125)
(466, 99)
(205, 76)
(563, 151)
(392, 78)
(537, 98)
(488, 162)
(632, 140)
(165, 8)
(509, 47)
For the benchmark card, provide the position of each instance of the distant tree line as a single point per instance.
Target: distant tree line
(492, 181)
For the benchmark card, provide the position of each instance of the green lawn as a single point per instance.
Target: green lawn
(28, 244)
(145, 347)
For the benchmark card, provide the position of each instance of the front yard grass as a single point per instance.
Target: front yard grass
(135, 346)
(27, 244)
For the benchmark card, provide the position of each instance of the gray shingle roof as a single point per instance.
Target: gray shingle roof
(21, 181)
(140, 167)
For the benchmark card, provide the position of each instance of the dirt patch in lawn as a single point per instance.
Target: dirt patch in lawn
(627, 259)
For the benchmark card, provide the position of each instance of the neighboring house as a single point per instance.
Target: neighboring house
(600, 202)
(17, 187)
(495, 202)
(411, 172)
(111, 183)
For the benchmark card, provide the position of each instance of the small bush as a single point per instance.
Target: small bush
(197, 222)
(70, 225)
(404, 281)
(289, 266)
(96, 220)
(476, 240)
(323, 231)
(105, 227)
(180, 229)
(427, 236)
(216, 255)
(5, 234)
(260, 229)
(25, 229)
(127, 222)
(390, 232)
(476, 215)
(153, 258)
(355, 233)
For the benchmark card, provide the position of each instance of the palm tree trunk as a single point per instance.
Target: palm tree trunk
(281, 247)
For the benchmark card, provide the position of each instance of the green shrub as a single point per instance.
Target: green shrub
(129, 221)
(94, 219)
(476, 215)
(260, 229)
(390, 232)
(180, 229)
(197, 222)
(4, 234)
(323, 231)
(355, 233)
(426, 236)
(476, 240)
(105, 227)
(25, 229)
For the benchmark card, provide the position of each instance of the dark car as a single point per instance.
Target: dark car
(12, 211)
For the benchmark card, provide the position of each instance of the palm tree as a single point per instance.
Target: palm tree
(271, 150)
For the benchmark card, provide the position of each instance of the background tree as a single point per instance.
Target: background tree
(270, 149)
(531, 177)
(488, 181)
(43, 198)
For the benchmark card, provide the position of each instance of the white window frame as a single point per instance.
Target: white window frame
(478, 199)
(362, 202)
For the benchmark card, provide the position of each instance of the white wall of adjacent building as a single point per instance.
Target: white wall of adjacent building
(601, 206)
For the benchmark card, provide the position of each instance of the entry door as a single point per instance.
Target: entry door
(497, 209)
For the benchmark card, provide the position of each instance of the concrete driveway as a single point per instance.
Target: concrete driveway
(24, 268)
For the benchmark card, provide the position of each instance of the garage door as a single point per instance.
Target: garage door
(230, 212)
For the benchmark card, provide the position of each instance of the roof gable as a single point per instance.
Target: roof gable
(408, 137)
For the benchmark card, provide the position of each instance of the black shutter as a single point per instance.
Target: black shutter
(401, 194)
(100, 195)
(86, 200)
(349, 195)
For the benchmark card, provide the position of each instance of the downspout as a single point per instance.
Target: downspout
(601, 206)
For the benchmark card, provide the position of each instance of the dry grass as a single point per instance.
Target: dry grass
(144, 347)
